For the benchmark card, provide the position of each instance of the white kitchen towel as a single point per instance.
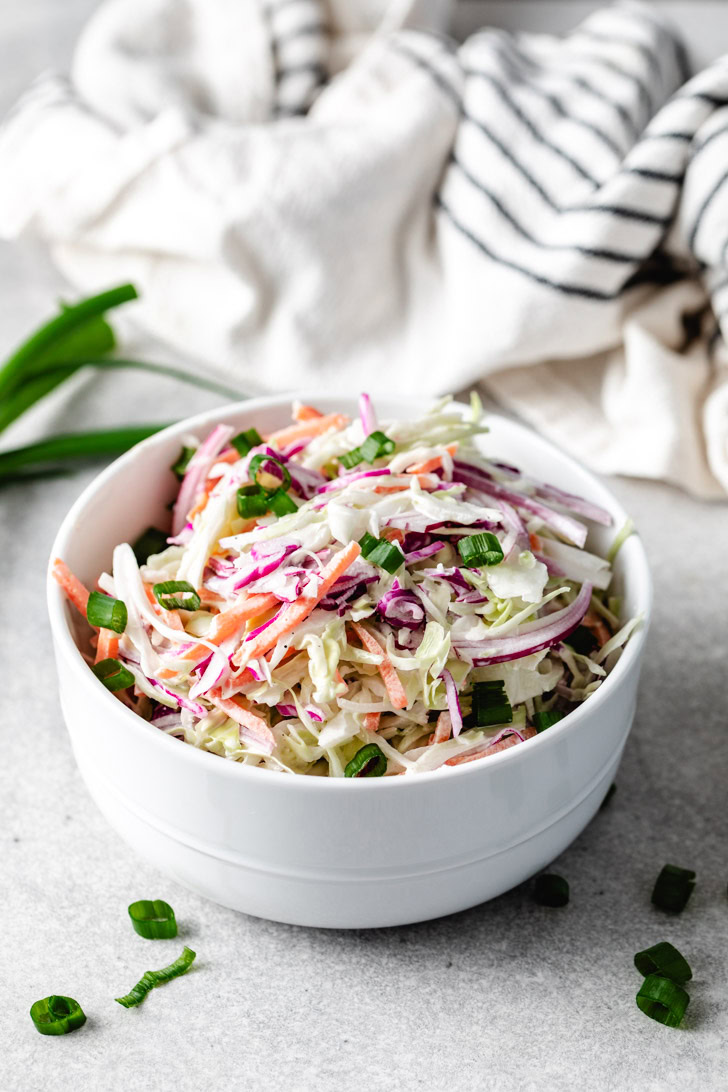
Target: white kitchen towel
(328, 194)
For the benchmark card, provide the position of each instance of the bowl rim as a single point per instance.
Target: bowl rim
(632, 556)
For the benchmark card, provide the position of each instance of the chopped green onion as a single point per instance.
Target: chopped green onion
(374, 447)
(490, 704)
(370, 761)
(673, 888)
(582, 640)
(480, 549)
(620, 540)
(57, 1015)
(153, 919)
(259, 461)
(151, 541)
(246, 441)
(380, 552)
(183, 461)
(544, 720)
(113, 675)
(252, 501)
(551, 890)
(662, 1000)
(176, 595)
(105, 612)
(665, 960)
(608, 796)
(82, 445)
(281, 504)
(150, 979)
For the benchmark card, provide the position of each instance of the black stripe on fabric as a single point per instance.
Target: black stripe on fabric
(312, 68)
(591, 252)
(676, 43)
(307, 30)
(514, 56)
(559, 109)
(582, 291)
(648, 53)
(720, 182)
(655, 176)
(611, 66)
(721, 131)
(535, 133)
(615, 210)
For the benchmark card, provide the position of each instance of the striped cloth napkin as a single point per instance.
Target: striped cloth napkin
(330, 194)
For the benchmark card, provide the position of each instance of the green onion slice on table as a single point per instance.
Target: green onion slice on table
(106, 613)
(153, 919)
(551, 890)
(57, 1015)
(662, 1000)
(150, 979)
(663, 959)
(673, 888)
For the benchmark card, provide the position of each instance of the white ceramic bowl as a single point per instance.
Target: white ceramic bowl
(324, 851)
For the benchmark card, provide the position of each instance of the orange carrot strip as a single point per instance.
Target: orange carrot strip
(594, 623)
(76, 592)
(371, 721)
(228, 621)
(305, 413)
(199, 507)
(108, 645)
(392, 534)
(299, 610)
(427, 481)
(443, 728)
(171, 617)
(255, 727)
(390, 678)
(509, 741)
(313, 427)
(431, 464)
(535, 543)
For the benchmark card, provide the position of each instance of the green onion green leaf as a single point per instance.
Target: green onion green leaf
(176, 595)
(374, 447)
(490, 704)
(259, 464)
(82, 445)
(662, 1000)
(673, 888)
(152, 541)
(246, 441)
(113, 675)
(281, 504)
(57, 1015)
(252, 501)
(382, 553)
(544, 720)
(105, 612)
(183, 461)
(481, 549)
(665, 960)
(153, 919)
(369, 761)
(150, 979)
(551, 890)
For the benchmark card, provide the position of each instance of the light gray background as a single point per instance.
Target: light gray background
(506, 996)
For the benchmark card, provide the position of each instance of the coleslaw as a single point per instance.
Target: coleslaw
(349, 598)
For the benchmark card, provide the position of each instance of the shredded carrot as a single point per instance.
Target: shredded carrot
(443, 728)
(170, 617)
(535, 543)
(390, 678)
(199, 507)
(107, 646)
(76, 592)
(594, 623)
(313, 427)
(431, 464)
(305, 413)
(299, 610)
(371, 721)
(509, 741)
(254, 725)
(229, 621)
(427, 481)
(392, 534)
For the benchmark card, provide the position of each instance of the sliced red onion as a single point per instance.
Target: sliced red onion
(516, 528)
(263, 568)
(167, 721)
(575, 503)
(423, 552)
(401, 609)
(531, 637)
(475, 478)
(453, 702)
(221, 566)
(471, 598)
(196, 473)
(553, 568)
(180, 699)
(294, 449)
(315, 713)
(287, 710)
(367, 414)
(259, 551)
(217, 667)
(346, 479)
(259, 629)
(453, 576)
(183, 537)
(306, 482)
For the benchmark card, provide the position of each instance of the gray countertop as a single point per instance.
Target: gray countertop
(505, 996)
